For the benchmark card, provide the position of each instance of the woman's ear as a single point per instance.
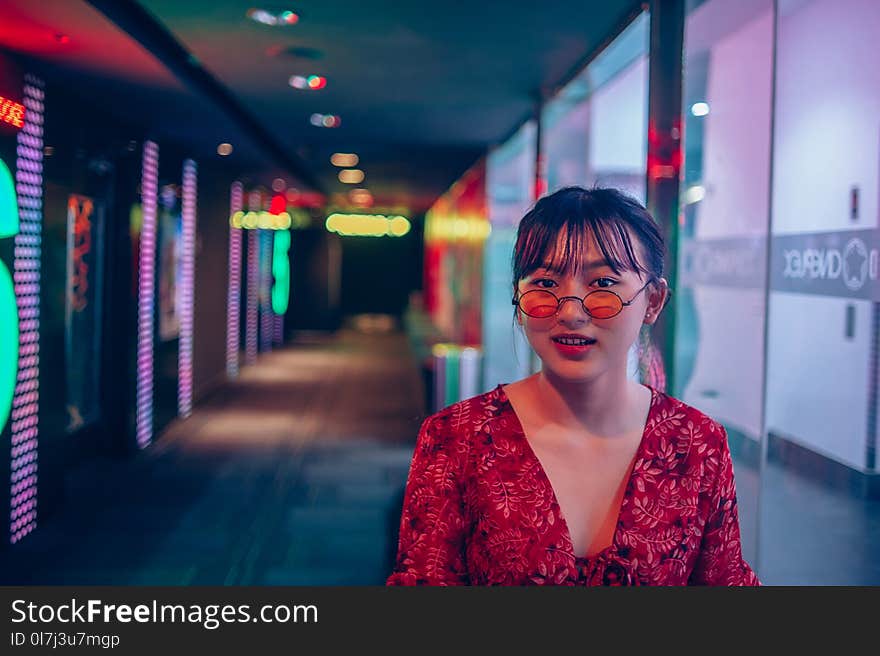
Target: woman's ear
(656, 300)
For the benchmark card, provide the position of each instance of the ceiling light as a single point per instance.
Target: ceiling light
(273, 17)
(224, 149)
(325, 120)
(351, 176)
(344, 160)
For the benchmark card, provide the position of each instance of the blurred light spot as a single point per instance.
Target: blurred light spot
(399, 226)
(224, 149)
(274, 18)
(344, 160)
(694, 194)
(367, 225)
(351, 176)
(325, 120)
(700, 109)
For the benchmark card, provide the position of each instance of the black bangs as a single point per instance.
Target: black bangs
(558, 233)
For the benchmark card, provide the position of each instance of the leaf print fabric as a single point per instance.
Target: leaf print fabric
(479, 509)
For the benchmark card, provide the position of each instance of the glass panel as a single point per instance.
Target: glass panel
(595, 130)
(82, 334)
(510, 180)
(819, 519)
(721, 298)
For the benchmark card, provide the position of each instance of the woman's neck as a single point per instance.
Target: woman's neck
(603, 406)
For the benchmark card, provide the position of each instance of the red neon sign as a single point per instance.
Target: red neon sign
(11, 112)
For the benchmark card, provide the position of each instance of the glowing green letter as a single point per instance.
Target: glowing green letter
(281, 272)
(8, 306)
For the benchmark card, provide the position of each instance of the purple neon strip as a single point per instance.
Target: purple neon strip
(253, 291)
(236, 198)
(253, 286)
(279, 329)
(185, 355)
(26, 267)
(267, 316)
(146, 291)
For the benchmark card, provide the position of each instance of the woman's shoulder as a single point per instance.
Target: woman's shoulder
(455, 429)
(465, 414)
(675, 418)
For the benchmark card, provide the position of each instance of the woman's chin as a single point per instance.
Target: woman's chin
(568, 371)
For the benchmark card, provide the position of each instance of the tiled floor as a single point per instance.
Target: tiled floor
(292, 476)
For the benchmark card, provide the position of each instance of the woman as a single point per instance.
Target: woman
(576, 475)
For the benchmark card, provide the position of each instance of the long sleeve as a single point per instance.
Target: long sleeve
(432, 525)
(720, 561)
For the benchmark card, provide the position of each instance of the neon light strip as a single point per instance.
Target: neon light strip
(279, 329)
(267, 322)
(233, 300)
(146, 292)
(253, 288)
(188, 245)
(26, 277)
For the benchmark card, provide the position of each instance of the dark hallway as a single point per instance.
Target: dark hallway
(288, 476)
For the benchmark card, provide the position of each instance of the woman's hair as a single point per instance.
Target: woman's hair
(604, 213)
(609, 216)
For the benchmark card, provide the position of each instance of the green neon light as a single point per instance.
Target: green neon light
(8, 305)
(281, 272)
(8, 203)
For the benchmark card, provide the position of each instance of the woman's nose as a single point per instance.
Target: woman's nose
(571, 310)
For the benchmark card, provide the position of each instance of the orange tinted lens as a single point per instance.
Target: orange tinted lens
(538, 304)
(603, 305)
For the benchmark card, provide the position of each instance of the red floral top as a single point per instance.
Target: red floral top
(480, 510)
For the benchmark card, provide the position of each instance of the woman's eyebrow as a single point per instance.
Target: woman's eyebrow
(595, 264)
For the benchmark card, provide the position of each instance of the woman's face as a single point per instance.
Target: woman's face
(609, 339)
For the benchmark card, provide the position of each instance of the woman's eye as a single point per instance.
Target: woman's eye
(610, 282)
(544, 283)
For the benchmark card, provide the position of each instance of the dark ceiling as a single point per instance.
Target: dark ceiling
(423, 89)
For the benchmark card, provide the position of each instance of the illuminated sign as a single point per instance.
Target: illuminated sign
(261, 220)
(447, 229)
(367, 225)
(8, 306)
(11, 112)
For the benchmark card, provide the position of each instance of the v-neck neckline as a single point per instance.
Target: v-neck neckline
(640, 453)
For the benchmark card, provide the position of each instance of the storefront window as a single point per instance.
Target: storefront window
(510, 181)
(819, 488)
(724, 219)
